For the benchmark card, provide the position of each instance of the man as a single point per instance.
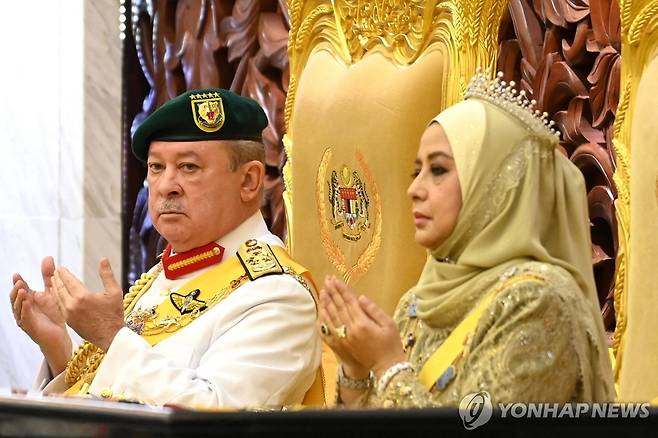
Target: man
(226, 318)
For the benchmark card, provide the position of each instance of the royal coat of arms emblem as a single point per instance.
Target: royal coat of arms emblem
(349, 213)
(349, 203)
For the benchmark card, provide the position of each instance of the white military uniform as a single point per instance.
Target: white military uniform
(258, 347)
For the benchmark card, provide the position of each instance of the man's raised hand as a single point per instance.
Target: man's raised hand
(96, 317)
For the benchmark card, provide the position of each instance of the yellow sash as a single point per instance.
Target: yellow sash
(231, 274)
(441, 363)
(224, 274)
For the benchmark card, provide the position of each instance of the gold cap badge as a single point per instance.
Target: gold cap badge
(207, 111)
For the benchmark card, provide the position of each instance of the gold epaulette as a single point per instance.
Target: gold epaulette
(258, 259)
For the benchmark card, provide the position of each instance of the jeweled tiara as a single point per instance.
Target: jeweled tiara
(505, 96)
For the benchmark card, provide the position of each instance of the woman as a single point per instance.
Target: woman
(506, 302)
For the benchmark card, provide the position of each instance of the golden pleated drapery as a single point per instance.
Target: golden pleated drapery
(636, 146)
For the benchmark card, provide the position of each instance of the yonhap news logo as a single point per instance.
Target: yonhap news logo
(476, 410)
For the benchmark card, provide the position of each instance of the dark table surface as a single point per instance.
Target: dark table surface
(23, 416)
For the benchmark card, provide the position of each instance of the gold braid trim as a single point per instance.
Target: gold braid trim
(87, 357)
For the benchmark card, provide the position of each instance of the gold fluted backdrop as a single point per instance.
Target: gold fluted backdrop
(636, 144)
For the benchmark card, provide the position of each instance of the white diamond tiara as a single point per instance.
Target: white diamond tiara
(505, 96)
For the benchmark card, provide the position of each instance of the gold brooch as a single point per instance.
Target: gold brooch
(208, 111)
(187, 303)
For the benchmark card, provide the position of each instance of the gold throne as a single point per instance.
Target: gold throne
(365, 79)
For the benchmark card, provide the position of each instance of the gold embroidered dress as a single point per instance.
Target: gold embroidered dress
(522, 236)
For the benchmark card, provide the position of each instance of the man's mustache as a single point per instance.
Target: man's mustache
(168, 206)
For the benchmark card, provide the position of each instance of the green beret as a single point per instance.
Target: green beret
(208, 114)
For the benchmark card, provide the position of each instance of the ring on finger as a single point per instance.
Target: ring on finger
(341, 331)
(324, 329)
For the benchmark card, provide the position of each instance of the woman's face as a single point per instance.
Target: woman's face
(435, 191)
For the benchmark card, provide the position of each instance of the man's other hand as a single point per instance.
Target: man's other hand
(97, 317)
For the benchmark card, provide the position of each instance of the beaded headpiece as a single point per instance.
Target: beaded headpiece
(505, 96)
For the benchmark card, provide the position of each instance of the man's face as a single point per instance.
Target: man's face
(194, 197)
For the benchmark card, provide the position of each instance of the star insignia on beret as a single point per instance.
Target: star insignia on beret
(207, 111)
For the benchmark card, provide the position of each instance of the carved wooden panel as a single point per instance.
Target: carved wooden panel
(566, 54)
(240, 45)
